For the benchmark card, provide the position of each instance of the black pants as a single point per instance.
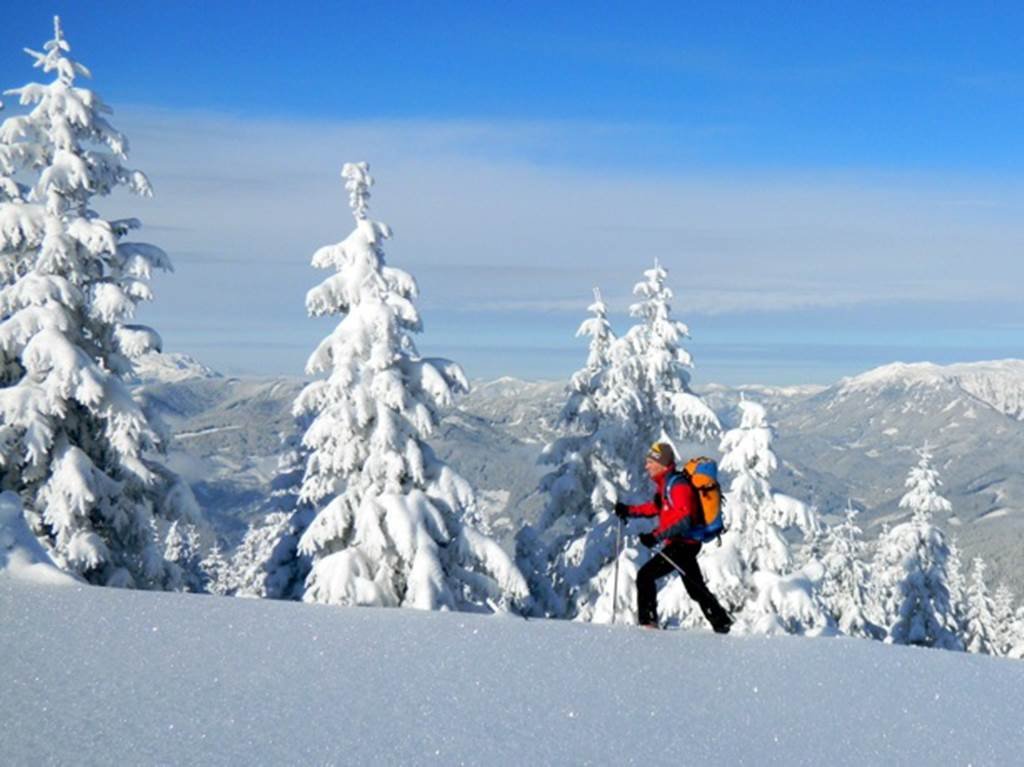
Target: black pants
(685, 557)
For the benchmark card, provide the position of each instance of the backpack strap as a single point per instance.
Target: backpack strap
(674, 478)
(695, 523)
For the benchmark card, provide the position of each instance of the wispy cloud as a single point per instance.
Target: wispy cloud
(487, 220)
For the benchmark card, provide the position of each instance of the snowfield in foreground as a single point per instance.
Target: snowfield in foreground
(103, 676)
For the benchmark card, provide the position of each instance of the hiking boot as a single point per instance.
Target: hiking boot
(722, 628)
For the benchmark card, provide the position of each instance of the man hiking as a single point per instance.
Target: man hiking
(676, 511)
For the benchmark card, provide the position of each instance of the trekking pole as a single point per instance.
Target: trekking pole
(615, 583)
(677, 567)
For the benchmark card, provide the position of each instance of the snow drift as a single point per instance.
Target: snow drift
(93, 675)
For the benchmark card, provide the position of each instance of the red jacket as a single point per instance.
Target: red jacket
(675, 514)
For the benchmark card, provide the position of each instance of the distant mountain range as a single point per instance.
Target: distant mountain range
(850, 442)
(857, 439)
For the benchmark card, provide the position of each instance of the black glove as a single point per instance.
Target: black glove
(650, 540)
(621, 511)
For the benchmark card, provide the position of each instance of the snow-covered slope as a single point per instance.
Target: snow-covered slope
(227, 436)
(101, 676)
(228, 433)
(528, 410)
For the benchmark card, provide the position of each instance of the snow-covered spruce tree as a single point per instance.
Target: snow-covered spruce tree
(1003, 619)
(755, 572)
(981, 630)
(267, 563)
(218, 577)
(73, 441)
(395, 526)
(581, 490)
(263, 562)
(1016, 636)
(646, 399)
(914, 568)
(649, 372)
(847, 585)
(583, 410)
(182, 546)
(957, 589)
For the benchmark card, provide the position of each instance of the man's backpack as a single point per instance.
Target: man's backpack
(702, 473)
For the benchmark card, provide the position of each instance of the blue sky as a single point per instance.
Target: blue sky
(831, 187)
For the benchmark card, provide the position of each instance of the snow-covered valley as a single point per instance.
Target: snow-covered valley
(852, 441)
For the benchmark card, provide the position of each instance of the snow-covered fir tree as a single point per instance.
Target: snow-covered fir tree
(981, 630)
(184, 548)
(583, 410)
(1015, 644)
(267, 563)
(74, 444)
(218, 576)
(646, 398)
(755, 571)
(649, 373)
(581, 490)
(394, 525)
(1003, 619)
(957, 588)
(847, 586)
(915, 566)
(262, 561)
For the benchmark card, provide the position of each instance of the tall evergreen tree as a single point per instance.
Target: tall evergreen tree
(267, 562)
(915, 567)
(848, 584)
(74, 444)
(1016, 636)
(647, 398)
(957, 589)
(755, 570)
(1003, 618)
(218, 575)
(583, 410)
(981, 630)
(395, 526)
(650, 369)
(574, 536)
(183, 547)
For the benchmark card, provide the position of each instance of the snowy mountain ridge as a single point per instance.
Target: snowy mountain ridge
(782, 392)
(998, 384)
(835, 444)
(156, 367)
